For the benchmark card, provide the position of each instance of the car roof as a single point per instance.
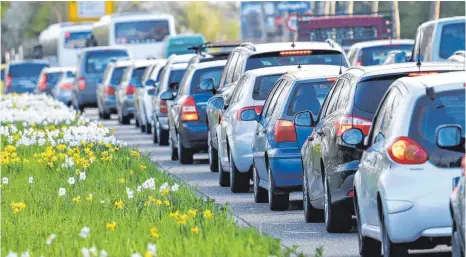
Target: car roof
(180, 58)
(122, 63)
(383, 43)
(284, 46)
(102, 48)
(202, 65)
(179, 66)
(440, 82)
(443, 20)
(58, 69)
(32, 61)
(316, 71)
(140, 63)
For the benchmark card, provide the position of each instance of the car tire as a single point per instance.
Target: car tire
(311, 214)
(260, 194)
(185, 155)
(173, 150)
(391, 249)
(136, 121)
(337, 219)
(105, 116)
(154, 132)
(125, 120)
(278, 201)
(142, 127)
(456, 250)
(162, 136)
(223, 176)
(213, 155)
(148, 128)
(368, 247)
(239, 182)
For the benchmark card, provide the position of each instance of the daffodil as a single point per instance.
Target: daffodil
(17, 207)
(76, 199)
(111, 226)
(192, 212)
(135, 154)
(89, 197)
(122, 180)
(195, 230)
(154, 233)
(118, 204)
(182, 219)
(174, 214)
(208, 214)
(167, 203)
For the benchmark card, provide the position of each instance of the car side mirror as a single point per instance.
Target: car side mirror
(304, 119)
(448, 136)
(248, 115)
(216, 103)
(150, 82)
(168, 95)
(207, 85)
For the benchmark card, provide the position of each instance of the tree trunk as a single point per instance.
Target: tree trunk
(395, 19)
(434, 12)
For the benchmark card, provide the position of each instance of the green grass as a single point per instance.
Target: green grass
(47, 213)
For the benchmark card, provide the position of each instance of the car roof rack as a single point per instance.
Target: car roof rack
(203, 47)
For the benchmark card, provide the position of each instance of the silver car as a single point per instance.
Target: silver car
(412, 158)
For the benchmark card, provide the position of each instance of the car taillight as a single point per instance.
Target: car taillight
(130, 89)
(66, 86)
(350, 121)
(284, 131)
(8, 81)
(189, 110)
(358, 63)
(404, 150)
(43, 83)
(81, 83)
(163, 106)
(109, 90)
(258, 110)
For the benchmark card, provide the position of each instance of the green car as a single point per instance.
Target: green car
(179, 44)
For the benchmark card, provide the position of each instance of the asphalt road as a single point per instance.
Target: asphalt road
(289, 226)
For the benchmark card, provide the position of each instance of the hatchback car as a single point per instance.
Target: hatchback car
(248, 57)
(331, 155)
(236, 130)
(92, 63)
(106, 99)
(277, 142)
(412, 159)
(457, 208)
(22, 77)
(60, 81)
(186, 115)
(375, 52)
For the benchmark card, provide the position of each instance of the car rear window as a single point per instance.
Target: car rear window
(304, 57)
(96, 61)
(75, 40)
(263, 86)
(136, 76)
(175, 76)
(452, 39)
(369, 93)
(117, 75)
(377, 54)
(199, 75)
(308, 96)
(26, 70)
(53, 78)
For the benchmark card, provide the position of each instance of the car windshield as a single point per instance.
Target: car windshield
(75, 40)
(263, 86)
(214, 72)
(117, 75)
(376, 55)
(286, 58)
(137, 32)
(452, 39)
(136, 76)
(53, 78)
(308, 96)
(369, 94)
(26, 70)
(96, 61)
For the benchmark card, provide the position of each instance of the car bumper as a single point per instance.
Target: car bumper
(109, 104)
(341, 182)
(87, 99)
(163, 123)
(64, 96)
(240, 145)
(193, 135)
(286, 168)
(127, 107)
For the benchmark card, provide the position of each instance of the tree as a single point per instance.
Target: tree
(434, 12)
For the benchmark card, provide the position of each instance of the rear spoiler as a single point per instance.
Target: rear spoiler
(203, 47)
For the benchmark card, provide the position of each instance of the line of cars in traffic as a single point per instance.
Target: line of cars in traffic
(383, 143)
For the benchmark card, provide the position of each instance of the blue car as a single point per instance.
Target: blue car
(22, 77)
(277, 142)
(187, 115)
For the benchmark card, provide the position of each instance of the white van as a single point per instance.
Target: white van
(439, 39)
(61, 43)
(141, 33)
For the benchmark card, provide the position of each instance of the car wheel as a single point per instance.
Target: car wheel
(125, 120)
(368, 247)
(142, 127)
(260, 194)
(174, 151)
(223, 176)
(337, 219)
(239, 182)
(278, 201)
(162, 135)
(137, 121)
(105, 116)
(391, 249)
(311, 214)
(456, 250)
(154, 132)
(148, 128)
(185, 155)
(213, 155)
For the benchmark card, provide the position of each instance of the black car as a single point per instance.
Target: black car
(22, 77)
(329, 156)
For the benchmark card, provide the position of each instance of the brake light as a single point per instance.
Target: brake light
(285, 131)
(43, 83)
(295, 52)
(8, 81)
(331, 79)
(130, 89)
(404, 150)
(81, 83)
(66, 86)
(358, 63)
(163, 106)
(349, 122)
(258, 110)
(415, 74)
(109, 90)
(189, 110)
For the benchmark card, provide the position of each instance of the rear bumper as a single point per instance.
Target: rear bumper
(193, 134)
(241, 147)
(287, 169)
(87, 99)
(127, 107)
(64, 96)
(109, 104)
(341, 183)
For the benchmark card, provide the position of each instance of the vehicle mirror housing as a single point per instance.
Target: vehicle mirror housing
(207, 85)
(448, 136)
(304, 119)
(248, 115)
(168, 95)
(150, 82)
(353, 137)
(216, 103)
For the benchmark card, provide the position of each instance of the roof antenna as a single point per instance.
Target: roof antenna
(299, 65)
(292, 43)
(419, 50)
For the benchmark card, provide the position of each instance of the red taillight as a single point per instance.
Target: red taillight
(81, 83)
(189, 110)
(350, 193)
(285, 131)
(358, 63)
(8, 81)
(258, 110)
(416, 74)
(66, 86)
(404, 150)
(109, 90)
(163, 106)
(130, 89)
(349, 122)
(43, 83)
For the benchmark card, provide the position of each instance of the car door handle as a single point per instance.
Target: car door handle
(310, 138)
(319, 132)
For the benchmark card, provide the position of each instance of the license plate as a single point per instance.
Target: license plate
(456, 180)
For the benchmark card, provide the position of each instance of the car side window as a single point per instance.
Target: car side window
(334, 98)
(236, 96)
(231, 69)
(326, 101)
(238, 67)
(345, 92)
(275, 98)
(384, 110)
(269, 98)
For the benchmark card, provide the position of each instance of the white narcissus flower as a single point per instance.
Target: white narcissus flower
(12, 254)
(136, 255)
(50, 239)
(31, 180)
(71, 180)
(163, 187)
(85, 232)
(103, 253)
(102, 201)
(82, 176)
(85, 252)
(93, 250)
(25, 254)
(152, 248)
(5, 180)
(130, 193)
(174, 188)
(61, 191)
